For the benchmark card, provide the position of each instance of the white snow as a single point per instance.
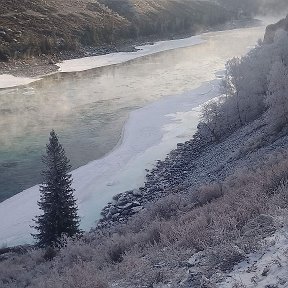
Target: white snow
(149, 134)
(8, 81)
(272, 259)
(87, 63)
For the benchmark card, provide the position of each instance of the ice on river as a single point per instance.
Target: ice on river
(87, 63)
(7, 81)
(149, 134)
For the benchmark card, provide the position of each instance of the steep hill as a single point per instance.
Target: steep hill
(30, 27)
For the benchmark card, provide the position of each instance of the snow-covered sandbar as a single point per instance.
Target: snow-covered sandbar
(149, 134)
(87, 63)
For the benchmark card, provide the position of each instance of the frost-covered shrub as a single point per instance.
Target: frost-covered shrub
(225, 256)
(252, 85)
(208, 193)
(166, 208)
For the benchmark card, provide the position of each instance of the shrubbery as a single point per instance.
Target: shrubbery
(252, 85)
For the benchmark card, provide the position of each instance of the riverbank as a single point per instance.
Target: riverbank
(193, 164)
(27, 72)
(37, 67)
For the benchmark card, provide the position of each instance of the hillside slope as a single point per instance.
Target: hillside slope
(35, 27)
(29, 28)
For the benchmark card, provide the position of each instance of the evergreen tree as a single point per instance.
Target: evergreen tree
(57, 201)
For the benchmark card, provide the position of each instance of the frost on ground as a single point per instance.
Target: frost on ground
(266, 268)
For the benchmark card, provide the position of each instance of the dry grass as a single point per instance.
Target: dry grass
(69, 25)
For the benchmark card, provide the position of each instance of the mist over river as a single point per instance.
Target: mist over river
(88, 109)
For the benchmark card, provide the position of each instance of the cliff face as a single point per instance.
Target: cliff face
(271, 29)
(35, 27)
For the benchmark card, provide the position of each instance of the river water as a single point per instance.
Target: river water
(88, 109)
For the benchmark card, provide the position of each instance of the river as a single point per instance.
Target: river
(88, 109)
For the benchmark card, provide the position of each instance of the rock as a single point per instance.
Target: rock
(108, 216)
(115, 216)
(113, 210)
(265, 271)
(117, 196)
(125, 212)
(136, 193)
(126, 206)
(122, 201)
(136, 209)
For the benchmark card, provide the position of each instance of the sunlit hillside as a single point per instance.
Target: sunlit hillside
(44, 27)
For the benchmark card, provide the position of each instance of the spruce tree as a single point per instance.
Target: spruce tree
(57, 201)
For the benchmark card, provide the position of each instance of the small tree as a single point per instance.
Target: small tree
(57, 201)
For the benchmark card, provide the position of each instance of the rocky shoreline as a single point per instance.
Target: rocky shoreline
(166, 176)
(191, 165)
